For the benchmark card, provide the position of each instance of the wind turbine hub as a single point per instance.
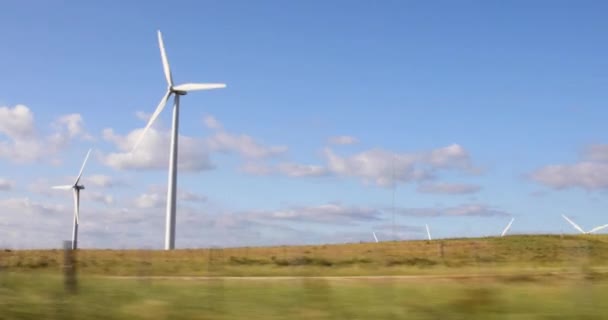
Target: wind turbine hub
(178, 92)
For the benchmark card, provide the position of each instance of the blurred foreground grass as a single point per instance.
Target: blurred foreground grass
(516, 277)
(37, 296)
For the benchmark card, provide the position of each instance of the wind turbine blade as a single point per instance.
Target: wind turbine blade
(596, 229)
(163, 56)
(199, 86)
(507, 228)
(574, 225)
(428, 232)
(158, 110)
(66, 187)
(375, 238)
(82, 168)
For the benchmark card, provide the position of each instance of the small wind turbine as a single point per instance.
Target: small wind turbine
(375, 238)
(176, 91)
(576, 226)
(76, 191)
(504, 232)
(428, 232)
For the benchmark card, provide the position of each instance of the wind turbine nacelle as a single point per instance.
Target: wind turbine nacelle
(181, 93)
(79, 187)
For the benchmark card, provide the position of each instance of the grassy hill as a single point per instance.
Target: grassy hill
(385, 258)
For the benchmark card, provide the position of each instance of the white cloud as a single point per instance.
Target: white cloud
(342, 140)
(101, 181)
(400, 228)
(377, 166)
(74, 126)
(286, 168)
(257, 168)
(586, 175)
(242, 144)
(42, 186)
(191, 196)
(447, 188)
(6, 185)
(156, 197)
(153, 151)
(19, 206)
(301, 170)
(591, 173)
(150, 200)
(385, 168)
(22, 142)
(97, 197)
(212, 123)
(17, 122)
(479, 210)
(143, 116)
(325, 213)
(597, 152)
(452, 156)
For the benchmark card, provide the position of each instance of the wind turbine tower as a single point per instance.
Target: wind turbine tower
(177, 91)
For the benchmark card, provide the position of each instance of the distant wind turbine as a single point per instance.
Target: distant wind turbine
(176, 91)
(504, 232)
(428, 232)
(375, 238)
(76, 191)
(576, 226)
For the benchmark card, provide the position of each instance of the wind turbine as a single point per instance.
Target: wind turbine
(428, 232)
(375, 238)
(76, 191)
(596, 229)
(176, 91)
(504, 232)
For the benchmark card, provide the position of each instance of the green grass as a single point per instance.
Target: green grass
(517, 277)
(42, 297)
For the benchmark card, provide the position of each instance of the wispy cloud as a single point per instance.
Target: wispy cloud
(447, 188)
(241, 144)
(591, 173)
(466, 210)
(6, 185)
(342, 140)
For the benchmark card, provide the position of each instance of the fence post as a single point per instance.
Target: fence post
(70, 282)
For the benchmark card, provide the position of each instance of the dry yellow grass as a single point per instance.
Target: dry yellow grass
(404, 257)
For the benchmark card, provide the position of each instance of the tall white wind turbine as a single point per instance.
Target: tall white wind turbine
(504, 232)
(375, 238)
(176, 91)
(428, 232)
(576, 226)
(76, 191)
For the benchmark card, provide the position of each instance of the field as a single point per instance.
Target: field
(517, 277)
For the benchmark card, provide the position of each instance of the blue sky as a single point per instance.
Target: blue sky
(469, 113)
